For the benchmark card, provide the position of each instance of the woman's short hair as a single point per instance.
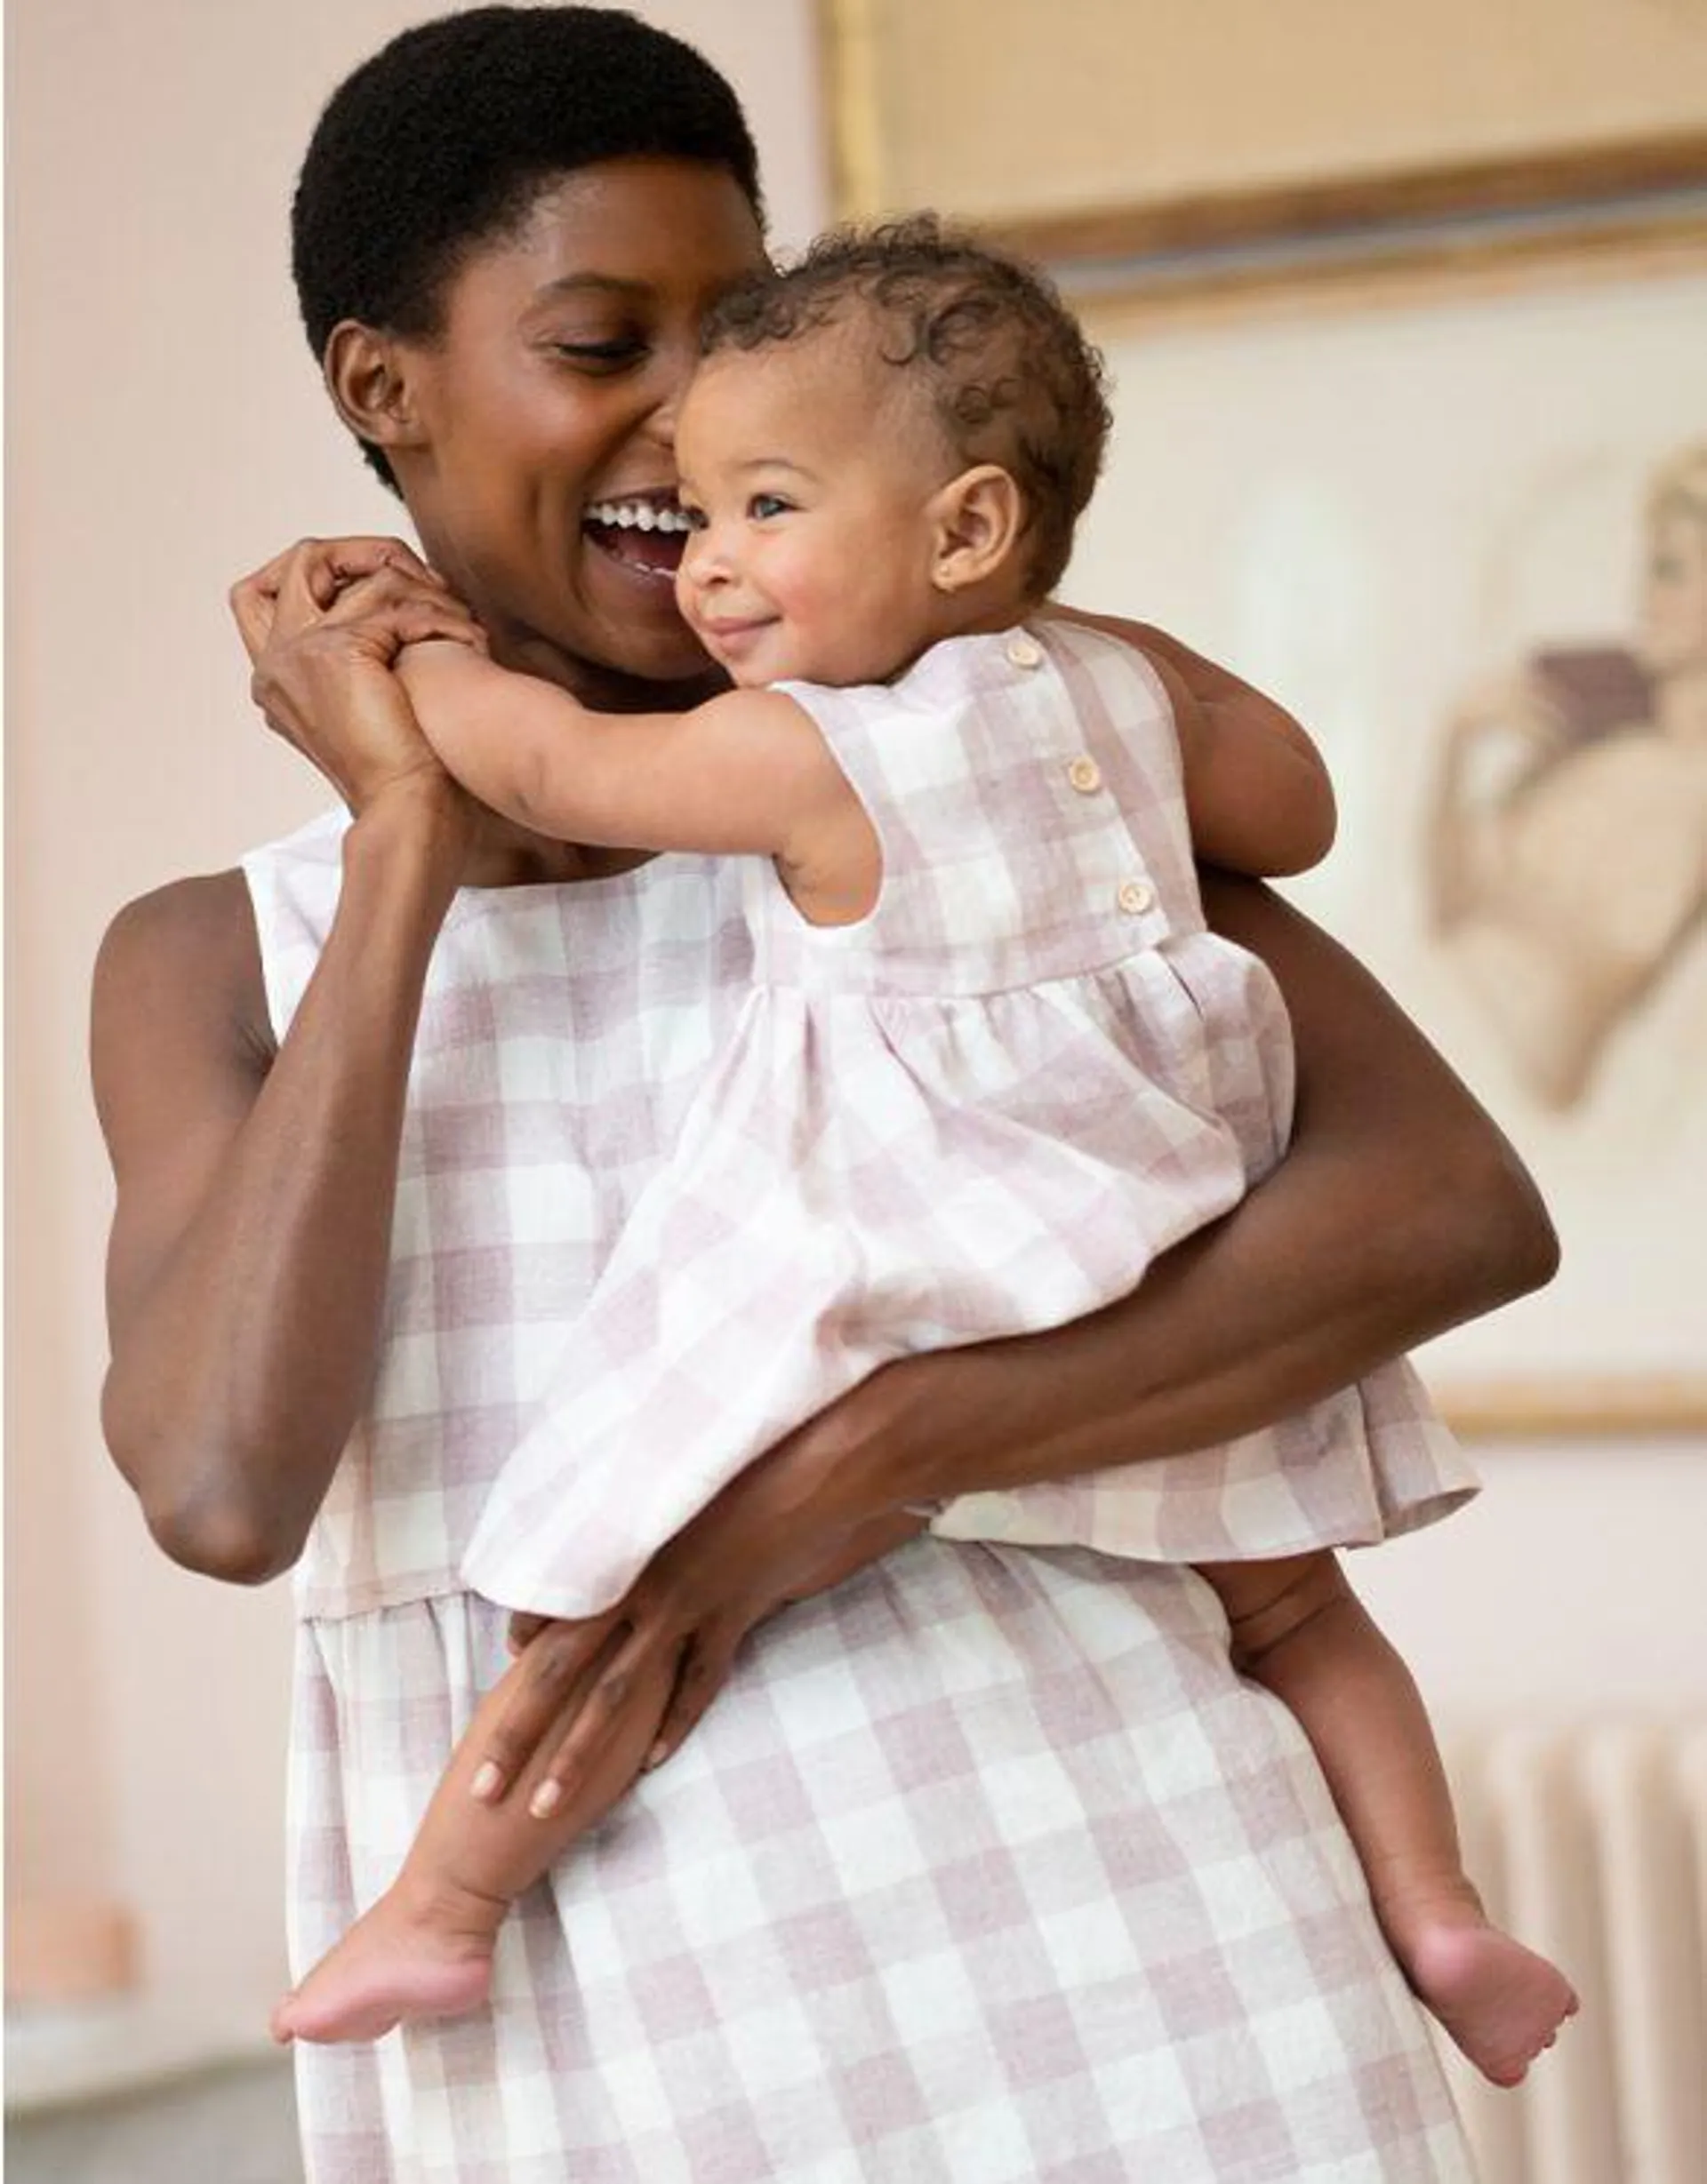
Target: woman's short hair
(1003, 363)
(444, 140)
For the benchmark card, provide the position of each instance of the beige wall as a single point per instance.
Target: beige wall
(167, 432)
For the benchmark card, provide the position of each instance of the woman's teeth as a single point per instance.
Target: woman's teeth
(636, 516)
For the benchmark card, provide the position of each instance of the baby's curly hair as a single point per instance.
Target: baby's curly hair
(1011, 378)
(440, 142)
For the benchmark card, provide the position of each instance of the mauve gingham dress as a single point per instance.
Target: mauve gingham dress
(983, 1867)
(981, 1110)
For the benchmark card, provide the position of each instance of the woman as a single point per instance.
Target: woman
(982, 1864)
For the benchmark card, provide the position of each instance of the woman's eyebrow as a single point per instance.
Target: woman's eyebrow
(607, 284)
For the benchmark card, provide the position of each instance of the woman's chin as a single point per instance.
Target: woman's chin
(633, 594)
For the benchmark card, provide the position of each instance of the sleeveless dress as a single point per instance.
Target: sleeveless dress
(980, 1111)
(983, 1867)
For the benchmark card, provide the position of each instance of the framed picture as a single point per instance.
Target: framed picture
(1411, 429)
(1465, 537)
(1226, 144)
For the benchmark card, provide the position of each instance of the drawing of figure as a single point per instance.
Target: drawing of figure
(1567, 845)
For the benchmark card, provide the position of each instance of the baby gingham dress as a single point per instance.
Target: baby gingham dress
(983, 1869)
(981, 1110)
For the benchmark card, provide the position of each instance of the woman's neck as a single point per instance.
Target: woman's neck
(606, 689)
(506, 855)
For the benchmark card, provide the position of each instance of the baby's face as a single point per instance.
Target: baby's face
(808, 476)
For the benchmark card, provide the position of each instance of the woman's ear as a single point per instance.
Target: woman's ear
(367, 376)
(976, 519)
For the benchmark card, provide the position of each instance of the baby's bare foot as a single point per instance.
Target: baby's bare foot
(406, 1958)
(1501, 2002)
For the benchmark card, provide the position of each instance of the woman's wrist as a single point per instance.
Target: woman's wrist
(904, 1440)
(419, 832)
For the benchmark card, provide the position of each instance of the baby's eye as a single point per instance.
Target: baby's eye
(695, 517)
(764, 505)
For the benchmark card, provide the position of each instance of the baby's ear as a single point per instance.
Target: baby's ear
(976, 521)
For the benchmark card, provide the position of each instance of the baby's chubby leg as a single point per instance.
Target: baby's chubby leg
(1300, 1631)
(425, 1949)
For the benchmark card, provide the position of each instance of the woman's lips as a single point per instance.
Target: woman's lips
(656, 555)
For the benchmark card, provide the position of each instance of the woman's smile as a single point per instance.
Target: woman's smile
(643, 532)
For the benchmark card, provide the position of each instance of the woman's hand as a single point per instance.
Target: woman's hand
(781, 1532)
(323, 625)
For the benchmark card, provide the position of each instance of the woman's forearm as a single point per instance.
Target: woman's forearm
(248, 1267)
(1399, 1211)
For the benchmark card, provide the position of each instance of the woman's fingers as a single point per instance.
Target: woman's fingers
(707, 1661)
(546, 1680)
(525, 1626)
(604, 1710)
(305, 580)
(401, 606)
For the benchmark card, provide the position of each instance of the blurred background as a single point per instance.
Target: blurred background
(1408, 349)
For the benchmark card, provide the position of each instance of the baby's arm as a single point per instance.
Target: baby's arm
(1256, 792)
(746, 772)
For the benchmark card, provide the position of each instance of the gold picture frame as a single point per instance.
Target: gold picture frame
(1597, 156)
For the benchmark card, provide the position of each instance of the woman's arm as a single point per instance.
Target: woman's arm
(1399, 1211)
(246, 1266)
(1257, 794)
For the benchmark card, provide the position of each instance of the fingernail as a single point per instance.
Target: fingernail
(485, 1781)
(656, 1756)
(545, 1800)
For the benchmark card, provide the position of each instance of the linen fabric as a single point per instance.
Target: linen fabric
(986, 1865)
(983, 1870)
(980, 1111)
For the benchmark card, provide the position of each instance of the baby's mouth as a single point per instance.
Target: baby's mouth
(645, 532)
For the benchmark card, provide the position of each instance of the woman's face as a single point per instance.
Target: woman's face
(550, 394)
(1673, 638)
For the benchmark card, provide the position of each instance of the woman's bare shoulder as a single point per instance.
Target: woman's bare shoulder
(182, 965)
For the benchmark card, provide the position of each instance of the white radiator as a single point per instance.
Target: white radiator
(1589, 1842)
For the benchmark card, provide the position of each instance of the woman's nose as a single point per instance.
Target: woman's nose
(672, 367)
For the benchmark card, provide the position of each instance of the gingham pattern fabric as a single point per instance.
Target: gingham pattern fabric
(983, 1870)
(980, 1111)
(563, 1033)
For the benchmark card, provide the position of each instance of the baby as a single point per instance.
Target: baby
(992, 1064)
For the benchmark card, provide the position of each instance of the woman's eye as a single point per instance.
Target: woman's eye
(601, 355)
(764, 505)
